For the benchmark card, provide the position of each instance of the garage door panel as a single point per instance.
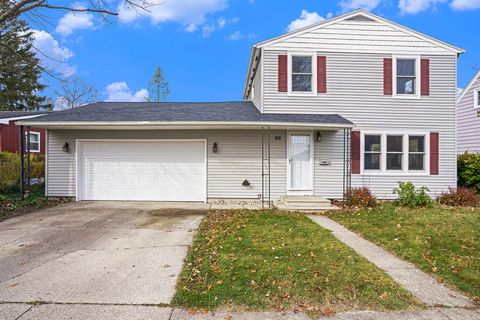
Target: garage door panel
(153, 170)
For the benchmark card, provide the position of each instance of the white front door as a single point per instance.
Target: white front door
(300, 163)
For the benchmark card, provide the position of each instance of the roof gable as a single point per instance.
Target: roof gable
(469, 86)
(359, 16)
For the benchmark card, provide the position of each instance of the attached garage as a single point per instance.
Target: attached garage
(141, 170)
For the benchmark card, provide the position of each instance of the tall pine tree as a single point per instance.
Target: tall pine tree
(20, 71)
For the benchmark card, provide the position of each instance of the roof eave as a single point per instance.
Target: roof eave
(109, 125)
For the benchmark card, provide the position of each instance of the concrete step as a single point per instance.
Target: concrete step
(304, 208)
(304, 199)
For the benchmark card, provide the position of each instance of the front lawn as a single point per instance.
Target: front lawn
(443, 241)
(254, 260)
(12, 205)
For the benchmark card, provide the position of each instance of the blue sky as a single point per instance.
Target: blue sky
(203, 46)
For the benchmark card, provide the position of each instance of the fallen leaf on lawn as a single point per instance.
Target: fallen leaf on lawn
(384, 295)
(219, 282)
(328, 312)
(434, 269)
(439, 280)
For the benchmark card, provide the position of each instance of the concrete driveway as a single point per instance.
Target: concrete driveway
(96, 253)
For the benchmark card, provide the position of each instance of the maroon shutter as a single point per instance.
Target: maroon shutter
(425, 77)
(434, 139)
(387, 76)
(282, 73)
(355, 152)
(321, 74)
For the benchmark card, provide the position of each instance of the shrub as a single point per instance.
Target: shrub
(468, 170)
(362, 198)
(410, 197)
(10, 169)
(458, 197)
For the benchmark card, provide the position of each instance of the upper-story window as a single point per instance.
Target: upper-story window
(476, 98)
(302, 77)
(406, 76)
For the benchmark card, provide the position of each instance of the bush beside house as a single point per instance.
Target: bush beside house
(468, 166)
(10, 170)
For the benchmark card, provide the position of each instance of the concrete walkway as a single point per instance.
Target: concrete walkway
(9, 311)
(421, 285)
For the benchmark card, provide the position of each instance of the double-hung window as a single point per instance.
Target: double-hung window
(34, 141)
(406, 76)
(476, 98)
(394, 152)
(302, 67)
(373, 152)
(416, 152)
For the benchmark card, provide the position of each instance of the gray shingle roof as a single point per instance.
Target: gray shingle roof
(242, 111)
(14, 114)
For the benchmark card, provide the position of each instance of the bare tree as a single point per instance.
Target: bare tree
(75, 93)
(14, 8)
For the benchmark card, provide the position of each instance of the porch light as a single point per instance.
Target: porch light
(319, 136)
(65, 147)
(215, 147)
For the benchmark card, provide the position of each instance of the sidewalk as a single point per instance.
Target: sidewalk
(132, 312)
(421, 285)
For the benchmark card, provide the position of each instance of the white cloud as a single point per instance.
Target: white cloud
(306, 19)
(465, 4)
(190, 13)
(221, 22)
(119, 91)
(52, 55)
(348, 5)
(74, 21)
(415, 6)
(237, 35)
(207, 29)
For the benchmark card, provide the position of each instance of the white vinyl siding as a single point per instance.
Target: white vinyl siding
(359, 36)
(355, 91)
(238, 158)
(468, 121)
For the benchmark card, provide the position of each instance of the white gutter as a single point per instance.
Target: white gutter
(175, 124)
(7, 120)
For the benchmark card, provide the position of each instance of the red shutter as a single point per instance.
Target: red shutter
(321, 74)
(425, 77)
(434, 139)
(355, 152)
(387, 76)
(282, 73)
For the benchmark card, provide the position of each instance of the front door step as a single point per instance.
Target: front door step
(304, 203)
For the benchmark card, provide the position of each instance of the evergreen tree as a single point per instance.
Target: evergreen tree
(158, 87)
(20, 71)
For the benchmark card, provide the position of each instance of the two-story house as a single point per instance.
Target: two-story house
(352, 101)
(468, 117)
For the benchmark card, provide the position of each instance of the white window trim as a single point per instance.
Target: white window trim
(475, 98)
(39, 141)
(418, 76)
(383, 158)
(311, 54)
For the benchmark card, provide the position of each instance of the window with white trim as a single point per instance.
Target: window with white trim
(416, 152)
(476, 98)
(302, 72)
(34, 141)
(394, 152)
(373, 152)
(406, 76)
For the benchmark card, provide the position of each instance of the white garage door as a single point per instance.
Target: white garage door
(172, 170)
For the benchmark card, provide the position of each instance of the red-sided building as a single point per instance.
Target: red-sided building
(10, 133)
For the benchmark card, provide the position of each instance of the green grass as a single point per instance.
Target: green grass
(443, 241)
(253, 260)
(12, 205)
